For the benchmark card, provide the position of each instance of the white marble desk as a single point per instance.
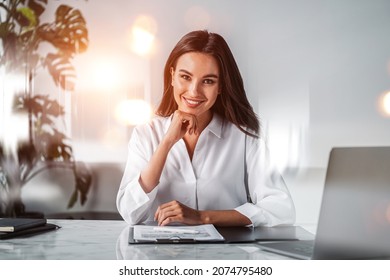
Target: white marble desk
(107, 240)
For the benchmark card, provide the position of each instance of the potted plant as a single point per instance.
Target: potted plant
(21, 34)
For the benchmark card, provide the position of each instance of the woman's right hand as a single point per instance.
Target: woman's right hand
(181, 124)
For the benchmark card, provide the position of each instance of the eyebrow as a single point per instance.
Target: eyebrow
(206, 76)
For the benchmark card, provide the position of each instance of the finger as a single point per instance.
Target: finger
(156, 214)
(171, 216)
(166, 216)
(192, 125)
(169, 220)
(188, 121)
(159, 210)
(163, 209)
(180, 125)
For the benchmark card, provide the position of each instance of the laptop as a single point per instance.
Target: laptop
(354, 220)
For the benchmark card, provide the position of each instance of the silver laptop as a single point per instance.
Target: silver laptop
(354, 221)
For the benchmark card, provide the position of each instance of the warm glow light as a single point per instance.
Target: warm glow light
(133, 112)
(13, 127)
(106, 75)
(142, 41)
(142, 35)
(384, 104)
(16, 127)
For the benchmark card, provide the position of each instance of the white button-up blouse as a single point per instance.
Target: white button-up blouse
(213, 180)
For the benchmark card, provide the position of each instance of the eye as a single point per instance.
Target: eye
(185, 77)
(208, 81)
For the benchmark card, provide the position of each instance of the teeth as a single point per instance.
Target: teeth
(192, 102)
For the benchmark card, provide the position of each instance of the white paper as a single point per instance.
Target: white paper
(200, 233)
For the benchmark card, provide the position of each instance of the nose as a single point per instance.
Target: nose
(194, 88)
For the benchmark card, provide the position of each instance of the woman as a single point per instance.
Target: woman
(201, 160)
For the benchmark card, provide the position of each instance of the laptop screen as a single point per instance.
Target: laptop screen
(354, 218)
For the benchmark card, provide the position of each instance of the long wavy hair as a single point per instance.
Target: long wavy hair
(232, 104)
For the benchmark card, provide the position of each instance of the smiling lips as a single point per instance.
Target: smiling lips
(192, 102)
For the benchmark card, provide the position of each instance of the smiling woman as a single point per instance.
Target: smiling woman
(202, 160)
(196, 85)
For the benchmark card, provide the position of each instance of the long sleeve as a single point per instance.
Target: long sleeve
(271, 201)
(132, 202)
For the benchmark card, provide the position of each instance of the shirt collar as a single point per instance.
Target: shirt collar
(215, 126)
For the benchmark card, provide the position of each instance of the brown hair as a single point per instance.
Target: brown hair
(232, 104)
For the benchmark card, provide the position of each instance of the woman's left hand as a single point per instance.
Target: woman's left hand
(175, 211)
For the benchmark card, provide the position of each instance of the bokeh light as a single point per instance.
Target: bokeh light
(13, 126)
(133, 112)
(384, 104)
(16, 127)
(106, 75)
(142, 35)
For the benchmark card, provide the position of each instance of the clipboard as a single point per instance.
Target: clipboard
(238, 235)
(177, 238)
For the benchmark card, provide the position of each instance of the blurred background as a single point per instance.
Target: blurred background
(316, 72)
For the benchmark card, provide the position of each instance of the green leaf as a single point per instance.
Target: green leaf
(73, 199)
(68, 33)
(61, 70)
(27, 17)
(26, 154)
(51, 107)
(72, 28)
(38, 6)
(52, 146)
(4, 29)
(39, 105)
(83, 181)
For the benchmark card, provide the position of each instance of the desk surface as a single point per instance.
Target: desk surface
(107, 240)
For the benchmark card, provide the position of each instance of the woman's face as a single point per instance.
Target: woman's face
(195, 83)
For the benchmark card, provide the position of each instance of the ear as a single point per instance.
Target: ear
(172, 74)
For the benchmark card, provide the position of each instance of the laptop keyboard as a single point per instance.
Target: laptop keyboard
(305, 248)
(296, 249)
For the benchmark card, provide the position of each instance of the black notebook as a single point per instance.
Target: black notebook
(18, 224)
(23, 227)
(28, 232)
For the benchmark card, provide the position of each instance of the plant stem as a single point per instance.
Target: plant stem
(49, 166)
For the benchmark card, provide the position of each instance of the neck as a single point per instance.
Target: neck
(204, 120)
(191, 139)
